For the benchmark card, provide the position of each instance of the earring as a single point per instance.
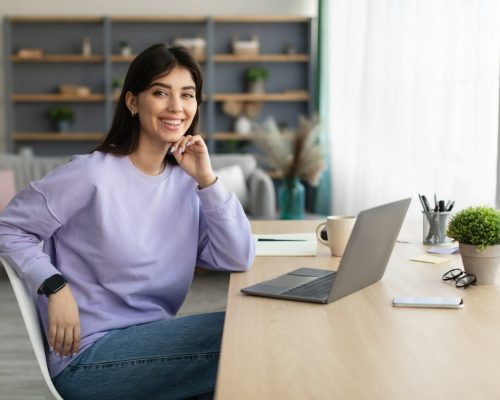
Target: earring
(133, 113)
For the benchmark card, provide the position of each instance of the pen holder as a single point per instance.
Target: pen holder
(435, 227)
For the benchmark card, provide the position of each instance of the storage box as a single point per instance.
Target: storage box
(30, 53)
(197, 46)
(74, 90)
(246, 46)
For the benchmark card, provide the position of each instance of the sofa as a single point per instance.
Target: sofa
(238, 172)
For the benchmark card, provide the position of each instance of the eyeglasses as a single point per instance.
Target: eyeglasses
(462, 280)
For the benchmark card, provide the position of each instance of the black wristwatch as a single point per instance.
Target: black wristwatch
(52, 285)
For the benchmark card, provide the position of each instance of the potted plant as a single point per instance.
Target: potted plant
(62, 117)
(255, 78)
(477, 230)
(117, 85)
(125, 49)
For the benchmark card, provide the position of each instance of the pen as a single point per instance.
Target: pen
(421, 201)
(451, 206)
(426, 204)
(281, 240)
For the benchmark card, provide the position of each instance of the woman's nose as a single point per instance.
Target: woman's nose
(174, 105)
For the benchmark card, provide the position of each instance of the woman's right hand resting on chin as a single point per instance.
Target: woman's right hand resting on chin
(64, 323)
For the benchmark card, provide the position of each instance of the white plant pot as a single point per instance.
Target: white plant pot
(484, 264)
(243, 125)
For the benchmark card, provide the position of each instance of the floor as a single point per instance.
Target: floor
(20, 377)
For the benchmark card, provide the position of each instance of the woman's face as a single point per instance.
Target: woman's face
(166, 109)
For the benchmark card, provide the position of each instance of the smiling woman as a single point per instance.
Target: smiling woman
(123, 229)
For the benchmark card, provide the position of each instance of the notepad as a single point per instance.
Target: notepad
(308, 247)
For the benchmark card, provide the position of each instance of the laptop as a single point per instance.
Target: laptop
(363, 263)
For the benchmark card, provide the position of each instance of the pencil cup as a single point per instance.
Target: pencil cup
(435, 227)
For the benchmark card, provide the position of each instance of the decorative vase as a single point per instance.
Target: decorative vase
(63, 125)
(291, 196)
(482, 264)
(243, 125)
(258, 86)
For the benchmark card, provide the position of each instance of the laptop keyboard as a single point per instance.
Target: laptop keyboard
(318, 288)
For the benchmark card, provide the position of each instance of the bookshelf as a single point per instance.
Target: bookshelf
(32, 82)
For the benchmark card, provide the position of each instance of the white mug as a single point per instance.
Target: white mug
(339, 228)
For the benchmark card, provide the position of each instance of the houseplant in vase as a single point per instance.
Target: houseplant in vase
(296, 157)
(256, 78)
(62, 117)
(477, 230)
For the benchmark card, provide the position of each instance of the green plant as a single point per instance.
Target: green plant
(256, 73)
(477, 226)
(62, 113)
(117, 83)
(123, 43)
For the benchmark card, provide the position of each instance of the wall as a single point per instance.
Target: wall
(144, 7)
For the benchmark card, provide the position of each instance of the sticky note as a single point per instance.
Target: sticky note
(430, 259)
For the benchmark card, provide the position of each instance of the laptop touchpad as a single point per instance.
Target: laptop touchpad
(290, 281)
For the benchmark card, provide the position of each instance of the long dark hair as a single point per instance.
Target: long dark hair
(157, 60)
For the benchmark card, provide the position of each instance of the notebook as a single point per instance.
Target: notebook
(363, 263)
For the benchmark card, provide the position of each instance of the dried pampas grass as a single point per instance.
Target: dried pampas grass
(302, 156)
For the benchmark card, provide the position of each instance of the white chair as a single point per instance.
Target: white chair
(30, 317)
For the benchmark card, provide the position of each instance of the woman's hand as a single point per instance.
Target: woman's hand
(192, 155)
(64, 322)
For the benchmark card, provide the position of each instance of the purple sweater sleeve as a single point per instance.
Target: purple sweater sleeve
(225, 237)
(25, 223)
(30, 219)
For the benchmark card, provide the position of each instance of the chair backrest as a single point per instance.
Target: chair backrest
(30, 317)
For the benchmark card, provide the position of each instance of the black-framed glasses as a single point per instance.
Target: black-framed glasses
(462, 279)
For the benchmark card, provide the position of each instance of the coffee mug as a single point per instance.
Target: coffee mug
(339, 228)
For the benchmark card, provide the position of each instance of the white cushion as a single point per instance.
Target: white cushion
(234, 181)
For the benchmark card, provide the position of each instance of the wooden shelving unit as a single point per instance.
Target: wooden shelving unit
(290, 87)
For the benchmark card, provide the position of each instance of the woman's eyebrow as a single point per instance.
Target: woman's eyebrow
(163, 85)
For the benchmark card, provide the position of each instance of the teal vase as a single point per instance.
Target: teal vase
(291, 198)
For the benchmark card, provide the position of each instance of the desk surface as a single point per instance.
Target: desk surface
(359, 347)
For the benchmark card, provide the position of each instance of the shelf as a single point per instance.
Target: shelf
(257, 19)
(146, 18)
(261, 58)
(59, 58)
(287, 96)
(222, 136)
(58, 137)
(49, 98)
(128, 59)
(55, 18)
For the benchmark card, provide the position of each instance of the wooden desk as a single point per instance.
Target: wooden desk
(359, 347)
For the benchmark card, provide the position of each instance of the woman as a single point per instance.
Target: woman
(123, 229)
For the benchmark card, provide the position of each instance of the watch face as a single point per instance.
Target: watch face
(54, 284)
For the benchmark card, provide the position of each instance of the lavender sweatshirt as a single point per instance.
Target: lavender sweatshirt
(126, 242)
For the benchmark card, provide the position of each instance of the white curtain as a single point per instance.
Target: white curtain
(412, 101)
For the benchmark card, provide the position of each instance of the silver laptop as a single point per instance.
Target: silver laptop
(363, 263)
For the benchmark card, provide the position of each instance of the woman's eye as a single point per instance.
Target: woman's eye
(160, 93)
(189, 95)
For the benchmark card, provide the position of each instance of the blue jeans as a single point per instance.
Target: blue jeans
(172, 359)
